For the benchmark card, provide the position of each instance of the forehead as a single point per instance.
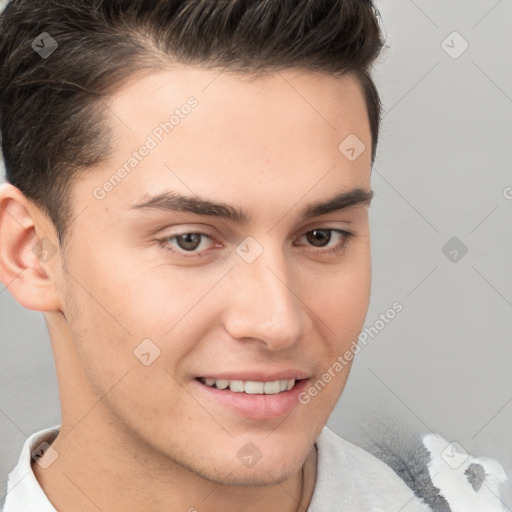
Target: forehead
(224, 135)
(302, 96)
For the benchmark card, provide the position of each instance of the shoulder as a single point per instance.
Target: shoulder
(349, 477)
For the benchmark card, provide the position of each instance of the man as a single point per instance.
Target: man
(187, 204)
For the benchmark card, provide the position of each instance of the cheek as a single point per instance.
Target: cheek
(117, 304)
(340, 297)
(341, 300)
(349, 303)
(140, 295)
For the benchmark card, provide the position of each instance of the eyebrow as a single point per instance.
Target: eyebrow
(173, 202)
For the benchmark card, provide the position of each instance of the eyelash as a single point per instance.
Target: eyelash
(346, 238)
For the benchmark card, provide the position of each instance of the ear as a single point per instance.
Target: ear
(29, 252)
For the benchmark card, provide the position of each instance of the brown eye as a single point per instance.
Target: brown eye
(186, 244)
(323, 239)
(188, 241)
(319, 237)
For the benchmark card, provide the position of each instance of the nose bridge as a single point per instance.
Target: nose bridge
(263, 305)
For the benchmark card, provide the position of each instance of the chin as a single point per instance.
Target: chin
(248, 467)
(257, 476)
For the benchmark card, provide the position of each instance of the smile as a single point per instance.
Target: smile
(250, 387)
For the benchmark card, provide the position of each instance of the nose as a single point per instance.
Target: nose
(264, 303)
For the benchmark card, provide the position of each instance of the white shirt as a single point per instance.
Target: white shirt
(348, 479)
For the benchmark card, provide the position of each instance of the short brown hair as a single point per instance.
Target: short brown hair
(51, 109)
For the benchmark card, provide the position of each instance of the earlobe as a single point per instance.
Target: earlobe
(29, 255)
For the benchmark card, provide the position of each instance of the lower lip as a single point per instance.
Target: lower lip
(258, 407)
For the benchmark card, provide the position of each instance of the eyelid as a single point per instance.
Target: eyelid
(346, 237)
(164, 243)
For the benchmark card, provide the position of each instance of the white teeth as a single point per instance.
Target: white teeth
(221, 384)
(236, 385)
(254, 388)
(271, 388)
(251, 387)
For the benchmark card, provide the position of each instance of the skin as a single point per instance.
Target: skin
(138, 437)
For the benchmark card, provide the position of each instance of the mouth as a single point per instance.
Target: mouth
(252, 399)
(251, 387)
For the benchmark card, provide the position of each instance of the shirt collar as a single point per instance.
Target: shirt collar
(23, 489)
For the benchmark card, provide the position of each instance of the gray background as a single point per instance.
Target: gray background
(442, 169)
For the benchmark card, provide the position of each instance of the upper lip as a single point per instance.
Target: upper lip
(258, 375)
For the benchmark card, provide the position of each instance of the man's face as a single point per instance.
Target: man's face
(264, 300)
